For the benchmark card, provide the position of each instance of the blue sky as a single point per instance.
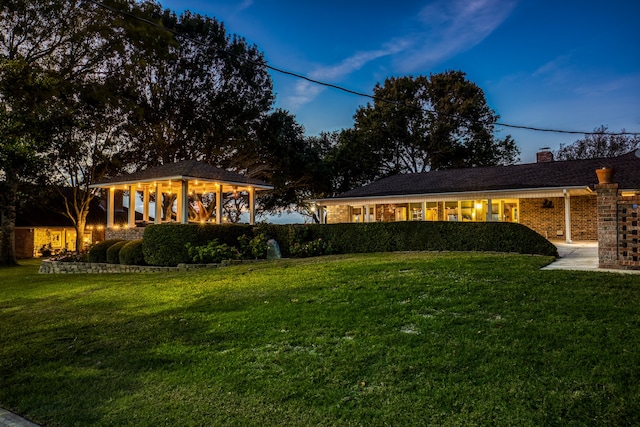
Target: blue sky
(565, 64)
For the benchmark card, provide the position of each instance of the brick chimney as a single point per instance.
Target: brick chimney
(544, 155)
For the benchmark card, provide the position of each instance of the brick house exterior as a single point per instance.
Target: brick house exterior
(557, 199)
(43, 226)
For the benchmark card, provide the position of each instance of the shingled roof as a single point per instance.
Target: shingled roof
(186, 169)
(555, 174)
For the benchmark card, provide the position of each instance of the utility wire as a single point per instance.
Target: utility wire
(334, 86)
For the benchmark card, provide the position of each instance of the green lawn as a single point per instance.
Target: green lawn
(377, 339)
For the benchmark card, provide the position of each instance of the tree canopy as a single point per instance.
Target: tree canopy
(598, 144)
(416, 124)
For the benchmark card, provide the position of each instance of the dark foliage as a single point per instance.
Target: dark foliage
(113, 253)
(131, 253)
(166, 245)
(98, 253)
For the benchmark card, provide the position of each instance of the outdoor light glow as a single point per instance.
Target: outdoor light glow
(478, 205)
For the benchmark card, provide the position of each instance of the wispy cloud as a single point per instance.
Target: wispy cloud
(445, 28)
(306, 91)
(451, 27)
(244, 5)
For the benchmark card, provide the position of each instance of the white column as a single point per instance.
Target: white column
(252, 205)
(567, 215)
(219, 204)
(145, 204)
(183, 203)
(489, 210)
(132, 207)
(321, 214)
(158, 218)
(110, 206)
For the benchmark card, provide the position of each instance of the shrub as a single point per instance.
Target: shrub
(98, 253)
(113, 252)
(131, 253)
(212, 252)
(255, 248)
(315, 247)
(165, 244)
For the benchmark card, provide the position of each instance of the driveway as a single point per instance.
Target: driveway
(580, 256)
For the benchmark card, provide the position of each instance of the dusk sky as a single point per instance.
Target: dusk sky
(572, 65)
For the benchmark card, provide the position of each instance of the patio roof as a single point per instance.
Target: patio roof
(184, 170)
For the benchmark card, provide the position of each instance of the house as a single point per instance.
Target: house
(557, 199)
(41, 227)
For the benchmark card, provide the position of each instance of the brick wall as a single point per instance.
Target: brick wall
(607, 225)
(24, 243)
(584, 218)
(618, 230)
(547, 217)
(628, 244)
(338, 214)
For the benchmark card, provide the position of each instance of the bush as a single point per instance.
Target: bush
(98, 253)
(212, 252)
(315, 247)
(113, 253)
(255, 248)
(131, 253)
(165, 244)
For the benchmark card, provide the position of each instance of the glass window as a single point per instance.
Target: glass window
(416, 211)
(356, 215)
(451, 211)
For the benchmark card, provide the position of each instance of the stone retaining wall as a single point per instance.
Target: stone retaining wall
(58, 267)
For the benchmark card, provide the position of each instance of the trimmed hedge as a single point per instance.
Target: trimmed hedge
(165, 244)
(98, 253)
(427, 236)
(131, 253)
(113, 253)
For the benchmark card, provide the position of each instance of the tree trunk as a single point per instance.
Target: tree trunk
(80, 225)
(8, 226)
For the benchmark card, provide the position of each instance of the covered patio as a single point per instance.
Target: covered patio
(181, 186)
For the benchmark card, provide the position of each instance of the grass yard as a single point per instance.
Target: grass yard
(376, 339)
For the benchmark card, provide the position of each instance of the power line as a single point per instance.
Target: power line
(338, 87)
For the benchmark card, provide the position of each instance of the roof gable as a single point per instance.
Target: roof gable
(186, 169)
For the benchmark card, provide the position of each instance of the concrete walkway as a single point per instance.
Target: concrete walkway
(9, 419)
(581, 256)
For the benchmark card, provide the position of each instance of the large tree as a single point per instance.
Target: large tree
(20, 145)
(600, 143)
(84, 51)
(200, 95)
(416, 124)
(280, 154)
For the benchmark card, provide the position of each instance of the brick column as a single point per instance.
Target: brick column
(607, 225)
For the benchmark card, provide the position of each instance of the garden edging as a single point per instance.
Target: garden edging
(59, 267)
